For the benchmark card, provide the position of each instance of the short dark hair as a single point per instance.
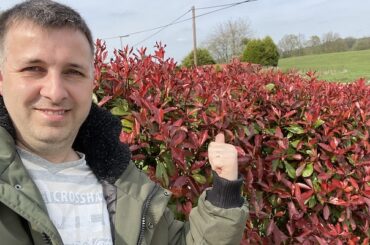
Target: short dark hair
(45, 13)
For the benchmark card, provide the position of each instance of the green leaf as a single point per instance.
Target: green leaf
(119, 111)
(290, 170)
(295, 143)
(308, 170)
(95, 98)
(127, 125)
(312, 202)
(270, 131)
(161, 173)
(275, 164)
(296, 129)
(316, 183)
(318, 123)
(199, 178)
(269, 87)
(169, 163)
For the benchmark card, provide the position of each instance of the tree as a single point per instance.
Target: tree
(227, 40)
(313, 45)
(264, 52)
(362, 44)
(203, 58)
(291, 45)
(332, 42)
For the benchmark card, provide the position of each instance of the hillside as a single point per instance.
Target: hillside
(343, 66)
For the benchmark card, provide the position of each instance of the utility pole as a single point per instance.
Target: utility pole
(194, 38)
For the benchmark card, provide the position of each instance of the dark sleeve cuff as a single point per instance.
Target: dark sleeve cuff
(225, 193)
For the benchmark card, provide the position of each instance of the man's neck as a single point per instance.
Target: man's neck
(54, 156)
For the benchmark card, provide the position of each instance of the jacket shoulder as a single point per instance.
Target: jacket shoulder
(7, 149)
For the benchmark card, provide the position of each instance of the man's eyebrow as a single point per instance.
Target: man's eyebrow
(77, 66)
(39, 61)
(32, 61)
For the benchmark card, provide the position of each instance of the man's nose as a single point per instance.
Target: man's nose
(54, 87)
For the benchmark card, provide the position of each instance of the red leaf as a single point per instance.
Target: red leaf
(186, 207)
(279, 236)
(138, 157)
(289, 114)
(292, 211)
(180, 181)
(334, 143)
(353, 183)
(104, 100)
(241, 152)
(337, 201)
(325, 147)
(278, 133)
(203, 137)
(178, 155)
(326, 212)
(321, 241)
(178, 123)
(178, 138)
(270, 227)
(299, 198)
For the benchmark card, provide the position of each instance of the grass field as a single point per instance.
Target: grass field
(343, 67)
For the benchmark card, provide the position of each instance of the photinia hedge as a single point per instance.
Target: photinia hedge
(303, 144)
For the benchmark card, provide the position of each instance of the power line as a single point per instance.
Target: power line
(222, 7)
(146, 30)
(164, 27)
(200, 15)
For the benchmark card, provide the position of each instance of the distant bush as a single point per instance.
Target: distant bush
(203, 58)
(263, 52)
(303, 145)
(362, 44)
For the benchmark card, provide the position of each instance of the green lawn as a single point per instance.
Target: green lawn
(343, 66)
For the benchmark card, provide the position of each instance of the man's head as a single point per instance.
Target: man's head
(46, 75)
(46, 14)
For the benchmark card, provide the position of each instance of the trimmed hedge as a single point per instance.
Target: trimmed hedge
(303, 144)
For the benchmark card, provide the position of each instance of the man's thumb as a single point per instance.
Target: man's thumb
(220, 138)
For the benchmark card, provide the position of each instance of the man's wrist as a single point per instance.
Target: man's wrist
(225, 193)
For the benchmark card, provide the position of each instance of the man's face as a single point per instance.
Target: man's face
(46, 80)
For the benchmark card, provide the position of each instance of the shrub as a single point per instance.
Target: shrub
(263, 52)
(303, 144)
(362, 44)
(203, 58)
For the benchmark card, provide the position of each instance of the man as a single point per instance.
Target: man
(64, 176)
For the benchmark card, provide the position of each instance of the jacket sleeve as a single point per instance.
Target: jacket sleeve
(219, 218)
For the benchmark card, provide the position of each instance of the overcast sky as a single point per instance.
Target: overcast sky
(110, 18)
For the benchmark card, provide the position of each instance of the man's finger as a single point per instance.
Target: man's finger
(220, 138)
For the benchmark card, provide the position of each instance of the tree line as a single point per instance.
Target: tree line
(297, 45)
(234, 39)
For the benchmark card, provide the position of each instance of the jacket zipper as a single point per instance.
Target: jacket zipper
(144, 212)
(46, 239)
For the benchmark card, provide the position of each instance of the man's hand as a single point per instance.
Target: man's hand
(223, 158)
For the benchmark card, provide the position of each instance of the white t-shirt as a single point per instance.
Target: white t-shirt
(73, 197)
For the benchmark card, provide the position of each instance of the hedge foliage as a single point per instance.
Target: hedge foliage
(303, 144)
(261, 51)
(203, 58)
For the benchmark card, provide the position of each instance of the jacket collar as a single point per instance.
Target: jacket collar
(98, 139)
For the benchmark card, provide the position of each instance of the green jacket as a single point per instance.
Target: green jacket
(137, 207)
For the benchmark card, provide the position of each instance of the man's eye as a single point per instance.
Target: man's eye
(33, 69)
(75, 73)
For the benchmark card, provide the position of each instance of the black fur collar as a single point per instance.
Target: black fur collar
(98, 139)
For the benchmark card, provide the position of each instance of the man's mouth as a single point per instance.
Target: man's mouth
(54, 112)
